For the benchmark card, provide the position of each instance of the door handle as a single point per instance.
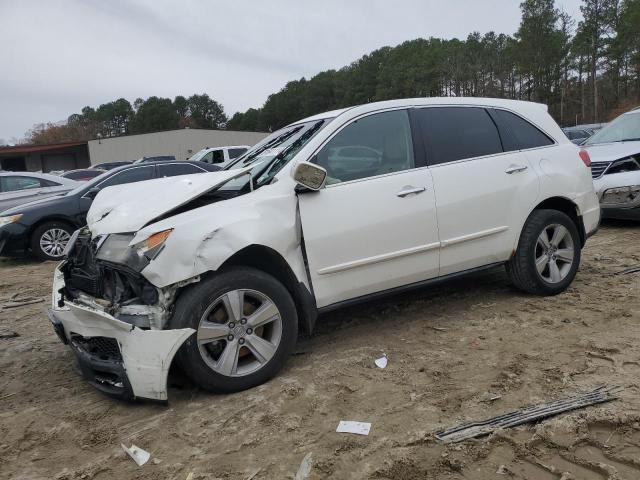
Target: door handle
(410, 190)
(515, 169)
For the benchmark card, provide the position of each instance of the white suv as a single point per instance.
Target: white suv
(219, 156)
(224, 268)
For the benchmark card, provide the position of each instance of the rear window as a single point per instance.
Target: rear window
(456, 133)
(518, 134)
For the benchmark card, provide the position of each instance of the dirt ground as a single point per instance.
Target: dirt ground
(452, 350)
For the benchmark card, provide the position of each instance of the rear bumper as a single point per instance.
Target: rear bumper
(135, 363)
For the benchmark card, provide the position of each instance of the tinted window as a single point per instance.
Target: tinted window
(373, 145)
(173, 169)
(218, 156)
(48, 183)
(456, 133)
(82, 175)
(518, 133)
(13, 184)
(236, 152)
(128, 176)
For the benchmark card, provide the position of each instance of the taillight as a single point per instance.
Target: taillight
(584, 155)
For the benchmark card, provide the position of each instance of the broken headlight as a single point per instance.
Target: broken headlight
(116, 249)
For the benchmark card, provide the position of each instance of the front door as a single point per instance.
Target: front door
(374, 226)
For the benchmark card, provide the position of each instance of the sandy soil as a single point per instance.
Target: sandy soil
(451, 350)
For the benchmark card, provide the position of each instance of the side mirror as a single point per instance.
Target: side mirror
(92, 193)
(310, 175)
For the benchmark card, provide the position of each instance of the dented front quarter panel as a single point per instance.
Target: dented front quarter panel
(204, 238)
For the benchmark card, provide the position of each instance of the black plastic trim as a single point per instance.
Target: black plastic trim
(404, 288)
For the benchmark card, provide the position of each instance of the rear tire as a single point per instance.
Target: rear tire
(548, 254)
(246, 327)
(49, 240)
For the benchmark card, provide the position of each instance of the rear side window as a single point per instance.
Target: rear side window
(136, 174)
(518, 133)
(456, 133)
(14, 184)
(174, 169)
(236, 152)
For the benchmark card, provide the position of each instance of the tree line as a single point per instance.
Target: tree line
(119, 117)
(586, 72)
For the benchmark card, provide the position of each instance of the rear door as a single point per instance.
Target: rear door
(483, 193)
(373, 227)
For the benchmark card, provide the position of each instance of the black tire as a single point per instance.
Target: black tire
(193, 303)
(522, 267)
(38, 234)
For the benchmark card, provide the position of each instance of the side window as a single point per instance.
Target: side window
(523, 134)
(174, 169)
(456, 133)
(218, 156)
(374, 145)
(236, 152)
(48, 183)
(208, 158)
(14, 184)
(129, 176)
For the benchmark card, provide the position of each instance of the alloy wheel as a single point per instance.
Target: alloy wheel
(554, 253)
(239, 332)
(54, 241)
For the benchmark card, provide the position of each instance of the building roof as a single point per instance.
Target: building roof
(39, 147)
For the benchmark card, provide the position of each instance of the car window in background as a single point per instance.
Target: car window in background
(13, 184)
(48, 183)
(217, 156)
(624, 128)
(373, 145)
(174, 169)
(236, 152)
(457, 133)
(523, 134)
(128, 176)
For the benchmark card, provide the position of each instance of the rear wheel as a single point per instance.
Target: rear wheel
(548, 254)
(246, 327)
(49, 240)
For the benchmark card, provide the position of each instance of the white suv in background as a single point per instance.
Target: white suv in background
(222, 269)
(220, 156)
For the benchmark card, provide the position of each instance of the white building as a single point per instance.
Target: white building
(179, 143)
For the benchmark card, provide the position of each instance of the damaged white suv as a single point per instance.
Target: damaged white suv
(222, 269)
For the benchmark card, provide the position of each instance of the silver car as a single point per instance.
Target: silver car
(17, 188)
(615, 166)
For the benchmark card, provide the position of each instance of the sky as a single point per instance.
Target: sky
(59, 56)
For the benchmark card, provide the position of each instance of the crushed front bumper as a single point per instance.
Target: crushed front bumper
(116, 357)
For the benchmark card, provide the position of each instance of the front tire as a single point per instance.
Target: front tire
(548, 254)
(246, 327)
(49, 240)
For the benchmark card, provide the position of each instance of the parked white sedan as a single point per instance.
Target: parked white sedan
(222, 269)
(17, 188)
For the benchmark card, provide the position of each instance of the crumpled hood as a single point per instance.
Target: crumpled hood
(608, 152)
(128, 207)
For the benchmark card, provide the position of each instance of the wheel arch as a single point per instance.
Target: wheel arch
(570, 209)
(271, 262)
(43, 220)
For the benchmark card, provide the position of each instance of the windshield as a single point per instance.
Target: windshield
(198, 155)
(625, 128)
(273, 153)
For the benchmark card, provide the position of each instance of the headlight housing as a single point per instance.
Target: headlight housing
(115, 248)
(9, 219)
